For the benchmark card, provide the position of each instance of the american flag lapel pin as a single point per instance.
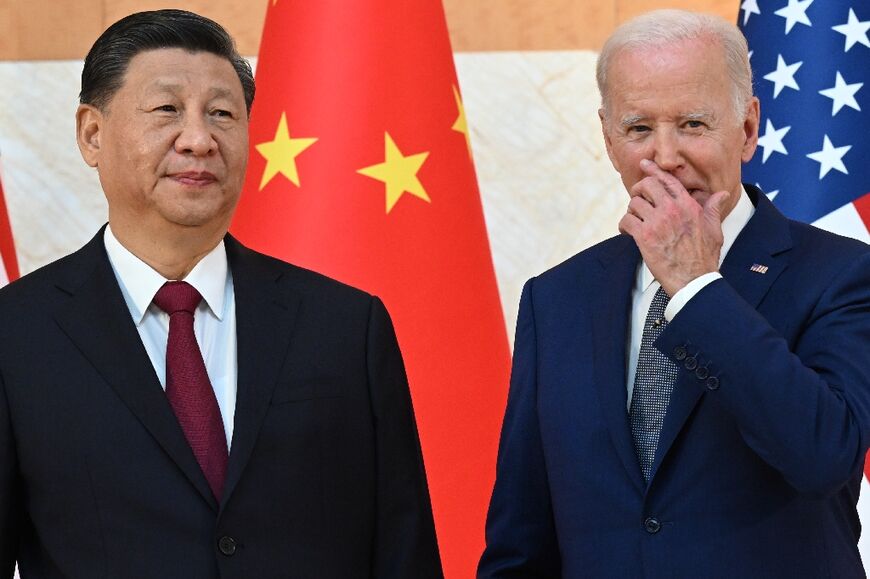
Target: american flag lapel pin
(758, 268)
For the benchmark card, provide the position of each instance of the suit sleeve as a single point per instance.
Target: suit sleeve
(9, 497)
(406, 544)
(802, 405)
(520, 531)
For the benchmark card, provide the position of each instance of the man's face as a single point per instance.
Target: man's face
(172, 144)
(674, 105)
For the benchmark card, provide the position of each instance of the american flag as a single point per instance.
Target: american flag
(811, 65)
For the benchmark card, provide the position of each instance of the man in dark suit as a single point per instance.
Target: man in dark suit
(173, 404)
(690, 399)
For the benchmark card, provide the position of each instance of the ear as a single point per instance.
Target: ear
(89, 120)
(750, 129)
(607, 141)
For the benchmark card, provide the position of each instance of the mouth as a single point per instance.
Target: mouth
(193, 178)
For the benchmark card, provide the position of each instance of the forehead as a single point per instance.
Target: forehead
(180, 69)
(690, 73)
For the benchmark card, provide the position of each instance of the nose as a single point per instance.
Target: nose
(196, 137)
(668, 153)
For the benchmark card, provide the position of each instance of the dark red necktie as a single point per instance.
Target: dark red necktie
(187, 385)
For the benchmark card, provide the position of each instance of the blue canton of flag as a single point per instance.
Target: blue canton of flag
(811, 66)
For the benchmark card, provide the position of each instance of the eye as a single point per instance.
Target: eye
(695, 124)
(222, 113)
(638, 129)
(166, 109)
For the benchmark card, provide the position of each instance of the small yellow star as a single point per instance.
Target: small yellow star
(398, 172)
(281, 154)
(461, 124)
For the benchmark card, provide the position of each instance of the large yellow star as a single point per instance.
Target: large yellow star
(398, 172)
(281, 154)
(461, 124)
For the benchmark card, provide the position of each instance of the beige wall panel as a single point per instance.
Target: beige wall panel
(483, 25)
(64, 29)
(243, 19)
(48, 30)
(727, 9)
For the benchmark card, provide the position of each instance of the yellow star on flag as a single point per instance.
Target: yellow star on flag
(281, 154)
(398, 172)
(461, 124)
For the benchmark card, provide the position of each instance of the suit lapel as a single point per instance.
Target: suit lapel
(265, 311)
(611, 310)
(98, 322)
(764, 241)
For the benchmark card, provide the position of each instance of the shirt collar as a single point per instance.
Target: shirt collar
(140, 281)
(732, 225)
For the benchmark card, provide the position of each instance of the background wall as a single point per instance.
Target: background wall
(59, 29)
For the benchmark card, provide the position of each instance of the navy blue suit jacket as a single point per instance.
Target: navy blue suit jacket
(760, 458)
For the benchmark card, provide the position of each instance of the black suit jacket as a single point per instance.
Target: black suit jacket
(325, 477)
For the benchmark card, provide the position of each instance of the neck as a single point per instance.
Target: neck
(172, 254)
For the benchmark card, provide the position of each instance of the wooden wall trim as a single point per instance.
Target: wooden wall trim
(61, 30)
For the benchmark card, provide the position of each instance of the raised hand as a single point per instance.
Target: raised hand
(679, 238)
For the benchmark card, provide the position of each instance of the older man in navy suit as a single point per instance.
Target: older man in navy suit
(690, 399)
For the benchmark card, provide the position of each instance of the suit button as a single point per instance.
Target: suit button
(691, 363)
(652, 525)
(680, 353)
(702, 372)
(712, 383)
(227, 546)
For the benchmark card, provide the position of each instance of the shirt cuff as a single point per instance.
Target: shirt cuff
(682, 297)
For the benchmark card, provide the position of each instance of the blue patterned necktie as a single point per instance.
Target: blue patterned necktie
(653, 383)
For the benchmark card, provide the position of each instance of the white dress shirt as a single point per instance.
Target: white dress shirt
(214, 322)
(646, 286)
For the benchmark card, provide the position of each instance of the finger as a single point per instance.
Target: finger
(630, 224)
(651, 189)
(640, 208)
(671, 184)
(715, 204)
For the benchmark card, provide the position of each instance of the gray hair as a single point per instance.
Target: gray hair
(663, 27)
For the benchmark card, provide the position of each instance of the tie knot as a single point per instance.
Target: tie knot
(177, 296)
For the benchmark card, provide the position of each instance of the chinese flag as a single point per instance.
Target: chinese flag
(8, 261)
(360, 168)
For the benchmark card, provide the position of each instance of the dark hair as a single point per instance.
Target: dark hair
(107, 61)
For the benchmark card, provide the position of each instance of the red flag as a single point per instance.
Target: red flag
(360, 168)
(8, 260)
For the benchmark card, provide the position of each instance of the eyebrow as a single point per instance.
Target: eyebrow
(696, 116)
(699, 116)
(630, 120)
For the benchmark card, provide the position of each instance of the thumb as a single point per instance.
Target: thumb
(714, 205)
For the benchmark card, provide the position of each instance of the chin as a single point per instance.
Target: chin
(205, 219)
